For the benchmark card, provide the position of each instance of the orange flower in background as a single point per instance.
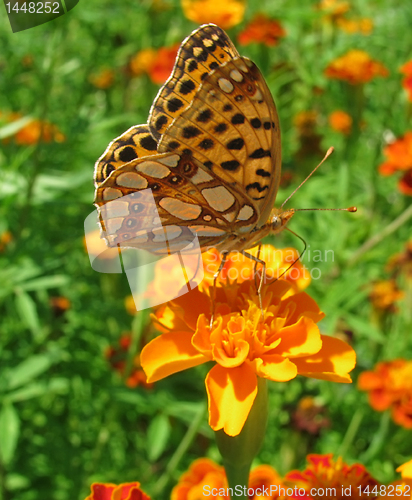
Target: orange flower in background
(162, 65)
(284, 343)
(406, 69)
(262, 30)
(117, 357)
(5, 239)
(355, 67)
(340, 122)
(343, 480)
(102, 79)
(363, 26)
(334, 8)
(59, 305)
(399, 158)
(389, 386)
(34, 131)
(205, 478)
(384, 294)
(142, 62)
(225, 14)
(239, 268)
(124, 491)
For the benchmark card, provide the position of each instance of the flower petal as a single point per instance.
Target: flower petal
(300, 339)
(231, 393)
(333, 362)
(275, 368)
(169, 353)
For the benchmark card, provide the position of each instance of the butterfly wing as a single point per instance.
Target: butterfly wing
(134, 143)
(170, 196)
(232, 128)
(201, 52)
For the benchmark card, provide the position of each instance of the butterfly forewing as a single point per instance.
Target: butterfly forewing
(233, 129)
(134, 143)
(204, 50)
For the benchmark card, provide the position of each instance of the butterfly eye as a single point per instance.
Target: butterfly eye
(276, 222)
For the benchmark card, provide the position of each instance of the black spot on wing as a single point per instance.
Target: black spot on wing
(206, 144)
(186, 87)
(262, 173)
(190, 132)
(204, 116)
(147, 142)
(230, 165)
(127, 154)
(255, 122)
(162, 120)
(236, 143)
(238, 118)
(220, 128)
(260, 153)
(174, 104)
(257, 186)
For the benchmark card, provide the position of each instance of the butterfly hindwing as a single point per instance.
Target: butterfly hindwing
(184, 196)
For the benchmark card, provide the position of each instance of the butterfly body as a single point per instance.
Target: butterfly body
(207, 164)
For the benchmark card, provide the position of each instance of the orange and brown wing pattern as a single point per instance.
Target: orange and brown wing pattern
(184, 199)
(202, 52)
(232, 128)
(134, 143)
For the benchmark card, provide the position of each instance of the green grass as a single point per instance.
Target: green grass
(67, 419)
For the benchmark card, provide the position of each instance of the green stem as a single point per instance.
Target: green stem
(239, 451)
(179, 453)
(351, 432)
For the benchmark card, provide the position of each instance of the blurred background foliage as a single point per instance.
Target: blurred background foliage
(67, 88)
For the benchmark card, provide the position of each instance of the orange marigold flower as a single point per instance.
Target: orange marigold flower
(334, 8)
(406, 69)
(142, 62)
(35, 131)
(340, 122)
(284, 343)
(262, 30)
(389, 385)
(162, 65)
(102, 79)
(225, 14)
(117, 357)
(399, 158)
(343, 480)
(5, 239)
(405, 183)
(384, 294)
(355, 67)
(364, 26)
(124, 491)
(59, 305)
(239, 268)
(206, 477)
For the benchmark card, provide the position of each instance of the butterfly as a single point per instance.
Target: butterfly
(210, 155)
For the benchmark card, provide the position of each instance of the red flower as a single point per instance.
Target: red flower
(406, 69)
(124, 491)
(262, 30)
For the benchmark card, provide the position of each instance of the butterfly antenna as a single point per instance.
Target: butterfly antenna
(328, 153)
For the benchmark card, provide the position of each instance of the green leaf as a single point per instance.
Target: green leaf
(28, 369)
(45, 282)
(28, 311)
(157, 436)
(9, 432)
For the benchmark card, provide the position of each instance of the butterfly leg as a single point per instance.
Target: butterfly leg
(257, 261)
(256, 265)
(215, 277)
